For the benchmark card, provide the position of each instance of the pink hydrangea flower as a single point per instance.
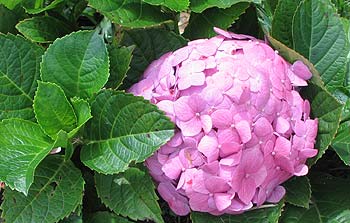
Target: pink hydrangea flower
(242, 126)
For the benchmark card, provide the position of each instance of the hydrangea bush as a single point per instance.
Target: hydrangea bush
(242, 126)
(142, 111)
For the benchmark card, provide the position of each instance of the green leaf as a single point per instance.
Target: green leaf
(10, 4)
(43, 29)
(149, 44)
(298, 191)
(318, 34)
(106, 217)
(130, 194)
(282, 21)
(56, 192)
(263, 215)
(83, 112)
(124, 128)
(199, 6)
(8, 20)
(32, 6)
(176, 5)
(120, 59)
(330, 202)
(328, 112)
(19, 72)
(52, 109)
(341, 142)
(130, 13)
(201, 25)
(78, 63)
(23, 145)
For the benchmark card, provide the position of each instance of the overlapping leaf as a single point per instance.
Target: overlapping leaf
(124, 128)
(176, 5)
(106, 217)
(43, 29)
(56, 192)
(130, 13)
(19, 72)
(78, 63)
(298, 191)
(201, 24)
(23, 145)
(199, 6)
(35, 7)
(130, 194)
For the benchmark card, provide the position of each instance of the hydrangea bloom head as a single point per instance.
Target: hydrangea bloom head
(242, 127)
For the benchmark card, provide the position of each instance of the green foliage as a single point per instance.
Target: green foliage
(176, 5)
(57, 191)
(199, 6)
(106, 217)
(110, 148)
(298, 191)
(130, 194)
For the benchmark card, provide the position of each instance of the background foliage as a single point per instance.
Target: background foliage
(64, 69)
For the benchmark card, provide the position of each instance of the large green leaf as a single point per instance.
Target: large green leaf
(124, 128)
(318, 34)
(38, 6)
(19, 71)
(149, 44)
(330, 202)
(176, 5)
(341, 143)
(298, 191)
(56, 192)
(52, 109)
(43, 29)
(199, 6)
(130, 194)
(10, 4)
(282, 21)
(120, 59)
(8, 20)
(201, 24)
(82, 111)
(106, 217)
(130, 13)
(328, 112)
(78, 63)
(263, 215)
(23, 145)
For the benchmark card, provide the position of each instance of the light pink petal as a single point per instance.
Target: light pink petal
(206, 123)
(176, 202)
(167, 106)
(309, 152)
(211, 168)
(197, 79)
(284, 163)
(207, 49)
(301, 170)
(301, 70)
(282, 125)
(222, 118)
(180, 55)
(296, 80)
(259, 176)
(197, 103)
(262, 127)
(199, 202)
(244, 131)
(283, 146)
(222, 200)
(182, 109)
(198, 183)
(216, 184)
(212, 95)
(247, 191)
(172, 168)
(227, 149)
(208, 146)
(249, 156)
(277, 194)
(191, 127)
(222, 32)
(232, 160)
(227, 136)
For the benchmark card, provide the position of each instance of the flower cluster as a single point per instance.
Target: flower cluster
(242, 127)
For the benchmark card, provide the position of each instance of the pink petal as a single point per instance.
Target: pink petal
(199, 202)
(232, 160)
(247, 191)
(262, 127)
(283, 146)
(191, 127)
(222, 32)
(172, 168)
(244, 131)
(277, 194)
(197, 79)
(282, 125)
(222, 118)
(309, 152)
(301, 170)
(197, 103)
(249, 156)
(182, 109)
(211, 168)
(227, 149)
(216, 184)
(284, 163)
(222, 200)
(301, 70)
(208, 146)
(180, 55)
(206, 123)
